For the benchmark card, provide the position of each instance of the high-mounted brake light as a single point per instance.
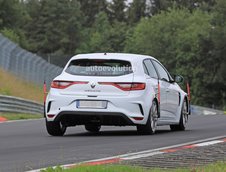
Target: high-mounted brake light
(65, 84)
(126, 86)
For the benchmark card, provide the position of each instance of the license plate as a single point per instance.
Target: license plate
(91, 104)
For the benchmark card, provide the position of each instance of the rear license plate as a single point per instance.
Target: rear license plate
(92, 104)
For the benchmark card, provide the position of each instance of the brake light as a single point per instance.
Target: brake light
(126, 86)
(65, 84)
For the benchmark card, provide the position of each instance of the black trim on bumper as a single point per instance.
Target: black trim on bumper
(72, 118)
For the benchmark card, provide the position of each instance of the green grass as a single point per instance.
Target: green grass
(217, 167)
(11, 85)
(225, 112)
(18, 116)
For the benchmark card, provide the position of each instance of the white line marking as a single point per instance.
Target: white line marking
(207, 112)
(142, 155)
(209, 143)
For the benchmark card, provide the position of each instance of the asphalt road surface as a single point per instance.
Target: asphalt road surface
(26, 145)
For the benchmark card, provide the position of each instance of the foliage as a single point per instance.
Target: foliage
(117, 10)
(217, 167)
(91, 8)
(162, 5)
(9, 33)
(56, 26)
(12, 14)
(13, 86)
(137, 10)
(20, 116)
(182, 41)
(97, 40)
(189, 37)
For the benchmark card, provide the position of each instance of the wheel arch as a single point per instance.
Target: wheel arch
(158, 106)
(187, 103)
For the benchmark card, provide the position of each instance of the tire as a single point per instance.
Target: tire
(150, 126)
(93, 128)
(183, 119)
(55, 128)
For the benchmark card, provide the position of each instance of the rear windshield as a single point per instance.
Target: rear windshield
(99, 67)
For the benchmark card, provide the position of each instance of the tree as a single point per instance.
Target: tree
(97, 37)
(33, 8)
(104, 36)
(162, 5)
(12, 15)
(10, 34)
(179, 39)
(117, 10)
(218, 34)
(56, 28)
(137, 10)
(90, 9)
(117, 36)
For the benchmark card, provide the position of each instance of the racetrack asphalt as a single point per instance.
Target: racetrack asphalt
(25, 145)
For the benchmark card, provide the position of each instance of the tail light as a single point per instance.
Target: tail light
(126, 86)
(65, 84)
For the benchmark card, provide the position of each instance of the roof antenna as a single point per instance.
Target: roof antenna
(105, 53)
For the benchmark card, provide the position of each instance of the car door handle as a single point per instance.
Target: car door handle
(167, 90)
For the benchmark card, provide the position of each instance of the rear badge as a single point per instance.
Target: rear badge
(93, 85)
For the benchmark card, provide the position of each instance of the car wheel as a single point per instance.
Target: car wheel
(93, 128)
(183, 119)
(151, 125)
(55, 128)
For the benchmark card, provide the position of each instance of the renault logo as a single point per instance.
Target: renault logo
(93, 85)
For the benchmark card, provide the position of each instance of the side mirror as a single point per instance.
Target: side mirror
(178, 78)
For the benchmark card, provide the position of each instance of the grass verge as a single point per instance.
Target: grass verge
(18, 116)
(11, 85)
(216, 167)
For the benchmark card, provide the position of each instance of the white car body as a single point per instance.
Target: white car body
(119, 107)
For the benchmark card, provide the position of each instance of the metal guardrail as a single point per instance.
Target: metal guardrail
(24, 64)
(19, 105)
(199, 110)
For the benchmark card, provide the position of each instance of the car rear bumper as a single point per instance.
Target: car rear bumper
(122, 110)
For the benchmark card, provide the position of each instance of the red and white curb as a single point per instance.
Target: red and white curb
(147, 153)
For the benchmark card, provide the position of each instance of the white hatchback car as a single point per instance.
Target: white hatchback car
(115, 89)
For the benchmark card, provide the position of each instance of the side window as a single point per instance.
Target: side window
(145, 69)
(150, 68)
(162, 72)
